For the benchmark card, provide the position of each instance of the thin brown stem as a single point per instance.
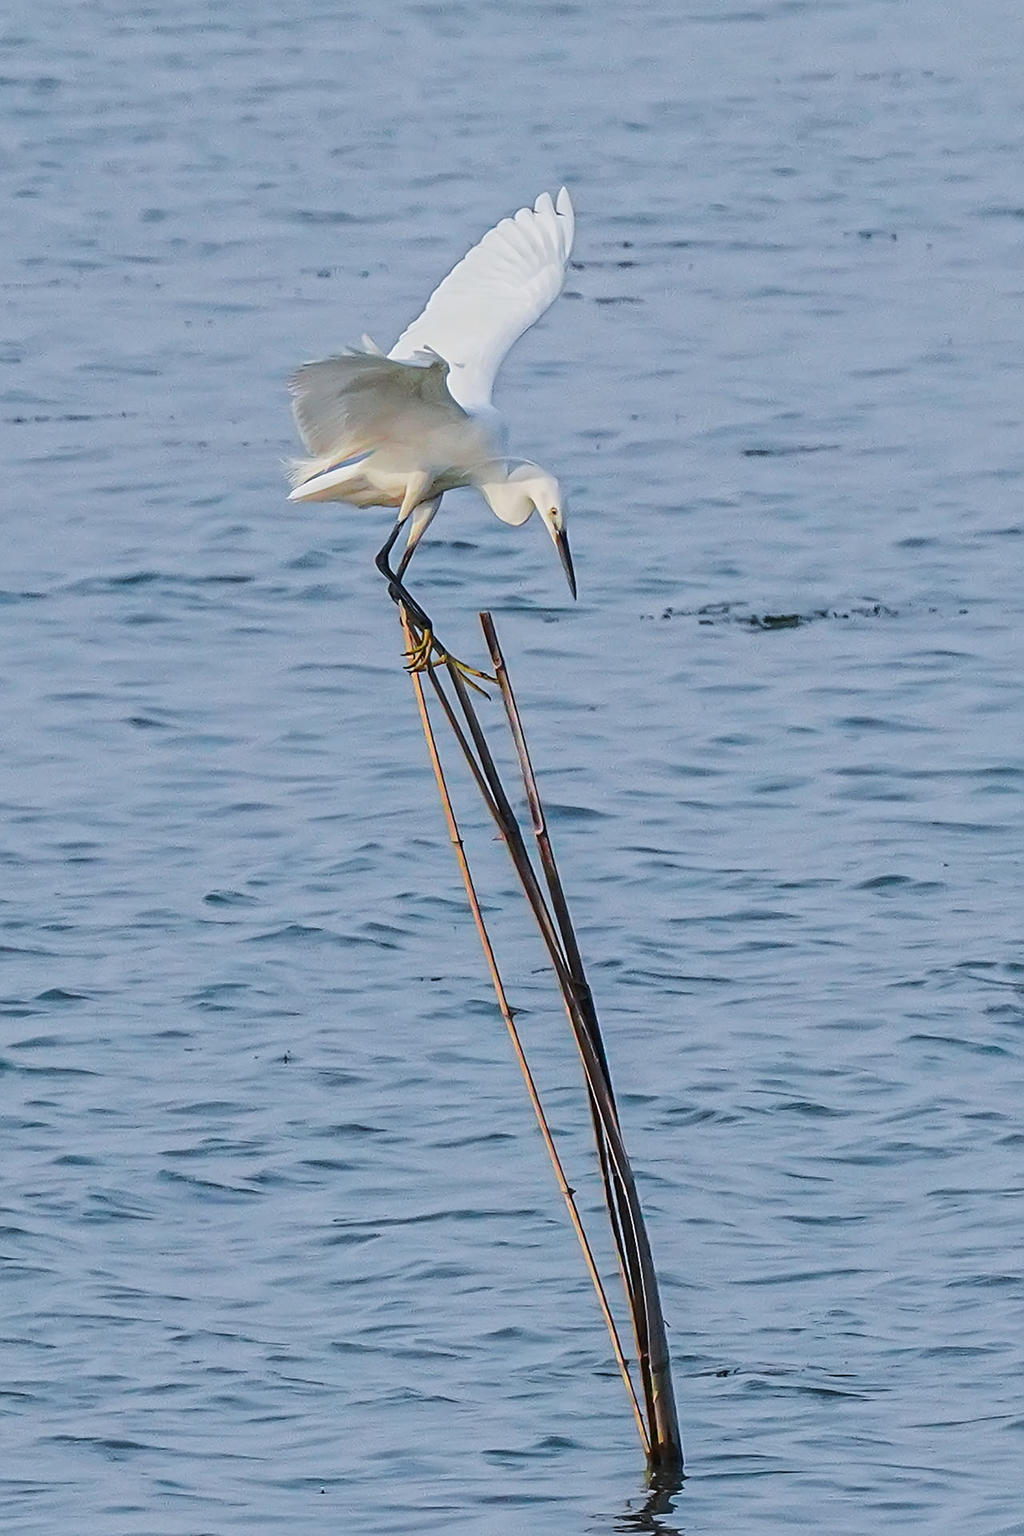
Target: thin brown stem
(624, 1206)
(623, 1201)
(507, 1014)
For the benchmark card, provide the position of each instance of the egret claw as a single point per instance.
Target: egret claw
(428, 652)
(464, 672)
(419, 655)
(468, 672)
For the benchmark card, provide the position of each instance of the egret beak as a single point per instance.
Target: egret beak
(562, 545)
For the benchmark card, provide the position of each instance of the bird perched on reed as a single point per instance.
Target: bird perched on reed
(401, 430)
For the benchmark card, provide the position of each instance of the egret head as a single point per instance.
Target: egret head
(530, 489)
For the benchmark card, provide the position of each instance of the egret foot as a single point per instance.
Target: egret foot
(428, 652)
(418, 656)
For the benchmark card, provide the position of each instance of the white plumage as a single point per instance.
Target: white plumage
(496, 292)
(399, 431)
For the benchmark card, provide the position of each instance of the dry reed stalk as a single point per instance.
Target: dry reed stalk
(665, 1455)
(625, 1213)
(507, 1013)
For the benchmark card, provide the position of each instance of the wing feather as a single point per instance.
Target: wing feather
(350, 404)
(497, 291)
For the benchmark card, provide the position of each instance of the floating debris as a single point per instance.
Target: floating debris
(739, 613)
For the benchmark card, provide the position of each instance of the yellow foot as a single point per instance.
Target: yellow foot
(468, 674)
(419, 656)
(428, 652)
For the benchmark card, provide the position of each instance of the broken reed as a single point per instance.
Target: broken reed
(656, 1421)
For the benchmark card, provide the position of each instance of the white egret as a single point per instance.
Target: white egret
(399, 431)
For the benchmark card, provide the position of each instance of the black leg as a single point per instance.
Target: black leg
(396, 590)
(430, 650)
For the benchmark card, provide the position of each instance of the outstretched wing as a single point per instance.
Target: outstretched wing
(495, 293)
(350, 404)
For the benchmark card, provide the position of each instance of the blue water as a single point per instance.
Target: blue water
(280, 1248)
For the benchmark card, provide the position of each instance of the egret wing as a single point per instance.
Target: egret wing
(496, 292)
(359, 401)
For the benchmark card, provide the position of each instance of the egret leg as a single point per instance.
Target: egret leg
(428, 651)
(397, 591)
(423, 649)
(421, 653)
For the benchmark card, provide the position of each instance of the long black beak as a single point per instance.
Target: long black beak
(562, 545)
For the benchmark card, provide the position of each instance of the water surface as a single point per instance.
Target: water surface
(280, 1247)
